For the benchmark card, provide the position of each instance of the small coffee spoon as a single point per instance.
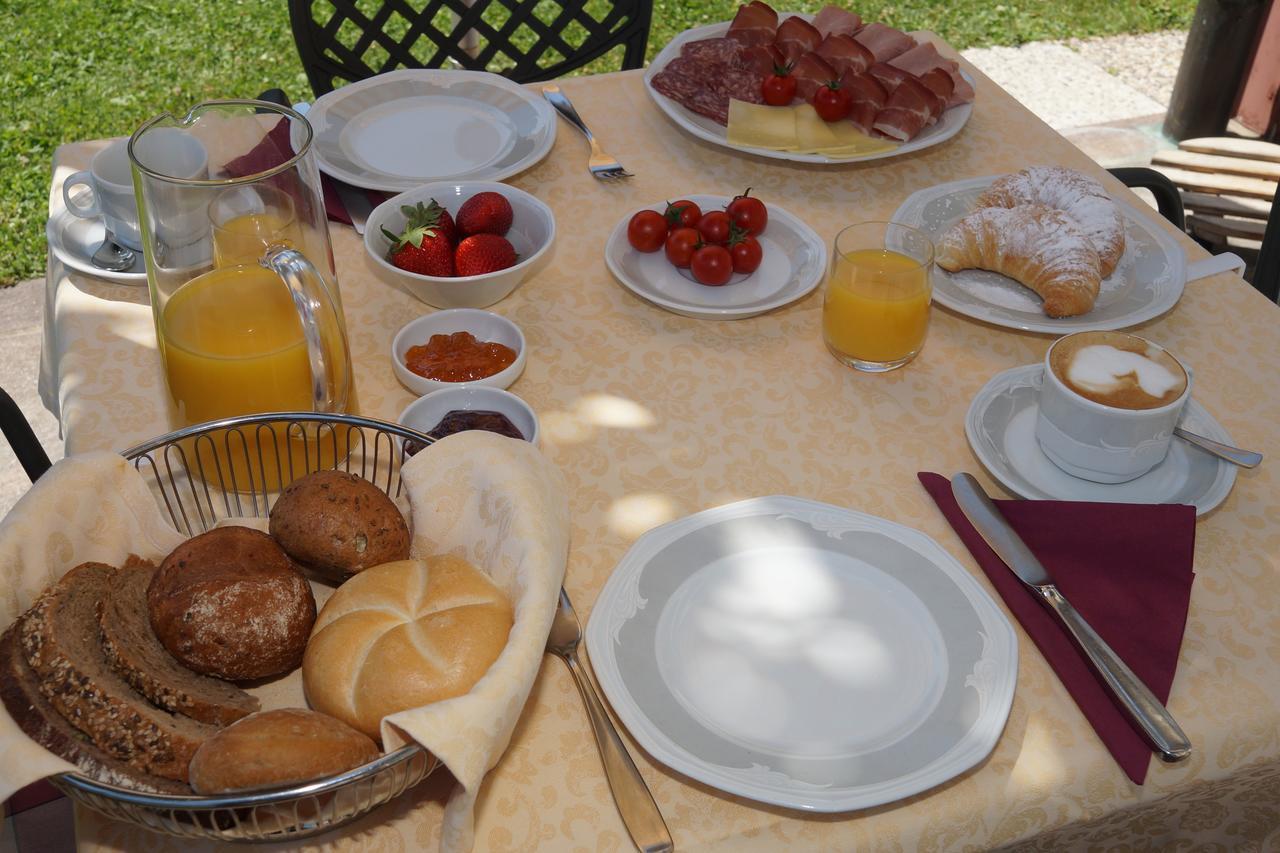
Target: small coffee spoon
(1243, 458)
(112, 256)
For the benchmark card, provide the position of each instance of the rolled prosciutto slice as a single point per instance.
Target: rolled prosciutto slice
(833, 20)
(867, 97)
(811, 72)
(888, 75)
(844, 54)
(909, 109)
(940, 83)
(924, 58)
(755, 23)
(761, 58)
(884, 42)
(796, 37)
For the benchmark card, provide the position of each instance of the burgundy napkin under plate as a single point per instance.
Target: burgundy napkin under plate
(274, 149)
(1126, 567)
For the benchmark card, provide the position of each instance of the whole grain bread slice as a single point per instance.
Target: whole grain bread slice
(62, 643)
(139, 658)
(40, 721)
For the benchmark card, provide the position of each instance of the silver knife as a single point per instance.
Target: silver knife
(1157, 724)
(356, 202)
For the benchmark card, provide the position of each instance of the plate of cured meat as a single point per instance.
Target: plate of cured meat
(905, 94)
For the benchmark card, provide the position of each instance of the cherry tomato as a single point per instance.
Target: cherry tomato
(712, 265)
(779, 87)
(831, 102)
(749, 213)
(680, 245)
(714, 227)
(647, 231)
(682, 214)
(746, 255)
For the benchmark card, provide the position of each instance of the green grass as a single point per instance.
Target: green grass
(86, 69)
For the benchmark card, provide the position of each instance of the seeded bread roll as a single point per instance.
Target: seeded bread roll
(229, 603)
(338, 523)
(275, 748)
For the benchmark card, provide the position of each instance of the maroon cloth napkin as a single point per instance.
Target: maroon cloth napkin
(274, 149)
(1126, 567)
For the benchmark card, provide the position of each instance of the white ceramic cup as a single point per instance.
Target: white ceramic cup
(110, 180)
(1104, 444)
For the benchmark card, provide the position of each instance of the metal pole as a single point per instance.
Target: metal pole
(1218, 48)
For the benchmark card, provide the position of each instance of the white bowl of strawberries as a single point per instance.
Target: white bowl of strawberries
(459, 245)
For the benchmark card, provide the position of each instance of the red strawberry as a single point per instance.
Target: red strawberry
(485, 213)
(483, 253)
(425, 246)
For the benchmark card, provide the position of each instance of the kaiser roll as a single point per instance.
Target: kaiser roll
(273, 748)
(403, 635)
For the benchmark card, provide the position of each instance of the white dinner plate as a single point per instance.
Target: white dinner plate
(1001, 428)
(1147, 282)
(794, 261)
(395, 131)
(702, 127)
(74, 239)
(803, 654)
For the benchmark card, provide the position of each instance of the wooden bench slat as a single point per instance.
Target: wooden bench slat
(1252, 149)
(1222, 165)
(1227, 205)
(1206, 182)
(1249, 229)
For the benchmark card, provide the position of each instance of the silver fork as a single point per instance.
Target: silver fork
(635, 804)
(602, 166)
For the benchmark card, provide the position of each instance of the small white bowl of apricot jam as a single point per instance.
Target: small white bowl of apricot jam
(457, 347)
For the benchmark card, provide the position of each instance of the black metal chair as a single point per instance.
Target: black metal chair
(1167, 199)
(342, 41)
(17, 431)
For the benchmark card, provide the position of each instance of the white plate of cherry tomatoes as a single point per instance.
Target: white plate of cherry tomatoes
(696, 276)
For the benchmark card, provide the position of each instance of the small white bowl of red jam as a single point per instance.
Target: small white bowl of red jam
(470, 407)
(460, 346)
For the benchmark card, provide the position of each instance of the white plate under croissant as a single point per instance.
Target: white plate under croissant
(1147, 281)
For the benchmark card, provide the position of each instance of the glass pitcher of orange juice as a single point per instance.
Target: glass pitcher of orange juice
(245, 297)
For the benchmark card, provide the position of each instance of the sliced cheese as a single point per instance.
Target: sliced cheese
(812, 131)
(851, 142)
(759, 126)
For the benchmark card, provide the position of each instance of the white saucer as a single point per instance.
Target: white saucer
(1001, 423)
(795, 259)
(73, 240)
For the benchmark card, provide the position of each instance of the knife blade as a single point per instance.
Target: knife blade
(356, 203)
(1157, 724)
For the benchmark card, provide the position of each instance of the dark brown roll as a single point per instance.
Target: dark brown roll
(335, 522)
(229, 603)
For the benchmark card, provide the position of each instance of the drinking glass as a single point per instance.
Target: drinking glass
(248, 220)
(876, 311)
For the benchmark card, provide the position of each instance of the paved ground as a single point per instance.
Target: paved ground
(1107, 95)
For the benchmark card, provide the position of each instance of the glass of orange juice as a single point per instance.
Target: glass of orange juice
(876, 311)
(247, 220)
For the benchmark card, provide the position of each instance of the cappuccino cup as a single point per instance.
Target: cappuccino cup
(1108, 404)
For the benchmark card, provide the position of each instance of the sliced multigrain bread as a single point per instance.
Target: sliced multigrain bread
(20, 691)
(62, 643)
(139, 658)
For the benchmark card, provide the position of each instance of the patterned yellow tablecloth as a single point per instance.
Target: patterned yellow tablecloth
(653, 416)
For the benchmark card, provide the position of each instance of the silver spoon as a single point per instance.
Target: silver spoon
(1243, 458)
(113, 257)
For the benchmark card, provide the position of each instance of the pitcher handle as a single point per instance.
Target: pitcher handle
(311, 296)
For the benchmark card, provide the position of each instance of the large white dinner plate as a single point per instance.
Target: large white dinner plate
(794, 261)
(803, 654)
(1001, 428)
(1147, 282)
(704, 128)
(404, 128)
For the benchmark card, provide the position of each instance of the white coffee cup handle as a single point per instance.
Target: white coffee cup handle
(87, 211)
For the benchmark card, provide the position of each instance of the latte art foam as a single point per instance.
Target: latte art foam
(1117, 369)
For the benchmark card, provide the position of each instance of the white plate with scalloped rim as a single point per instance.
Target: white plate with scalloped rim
(951, 122)
(1147, 282)
(794, 262)
(401, 129)
(1001, 428)
(803, 654)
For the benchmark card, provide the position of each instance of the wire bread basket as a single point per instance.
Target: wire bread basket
(234, 468)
